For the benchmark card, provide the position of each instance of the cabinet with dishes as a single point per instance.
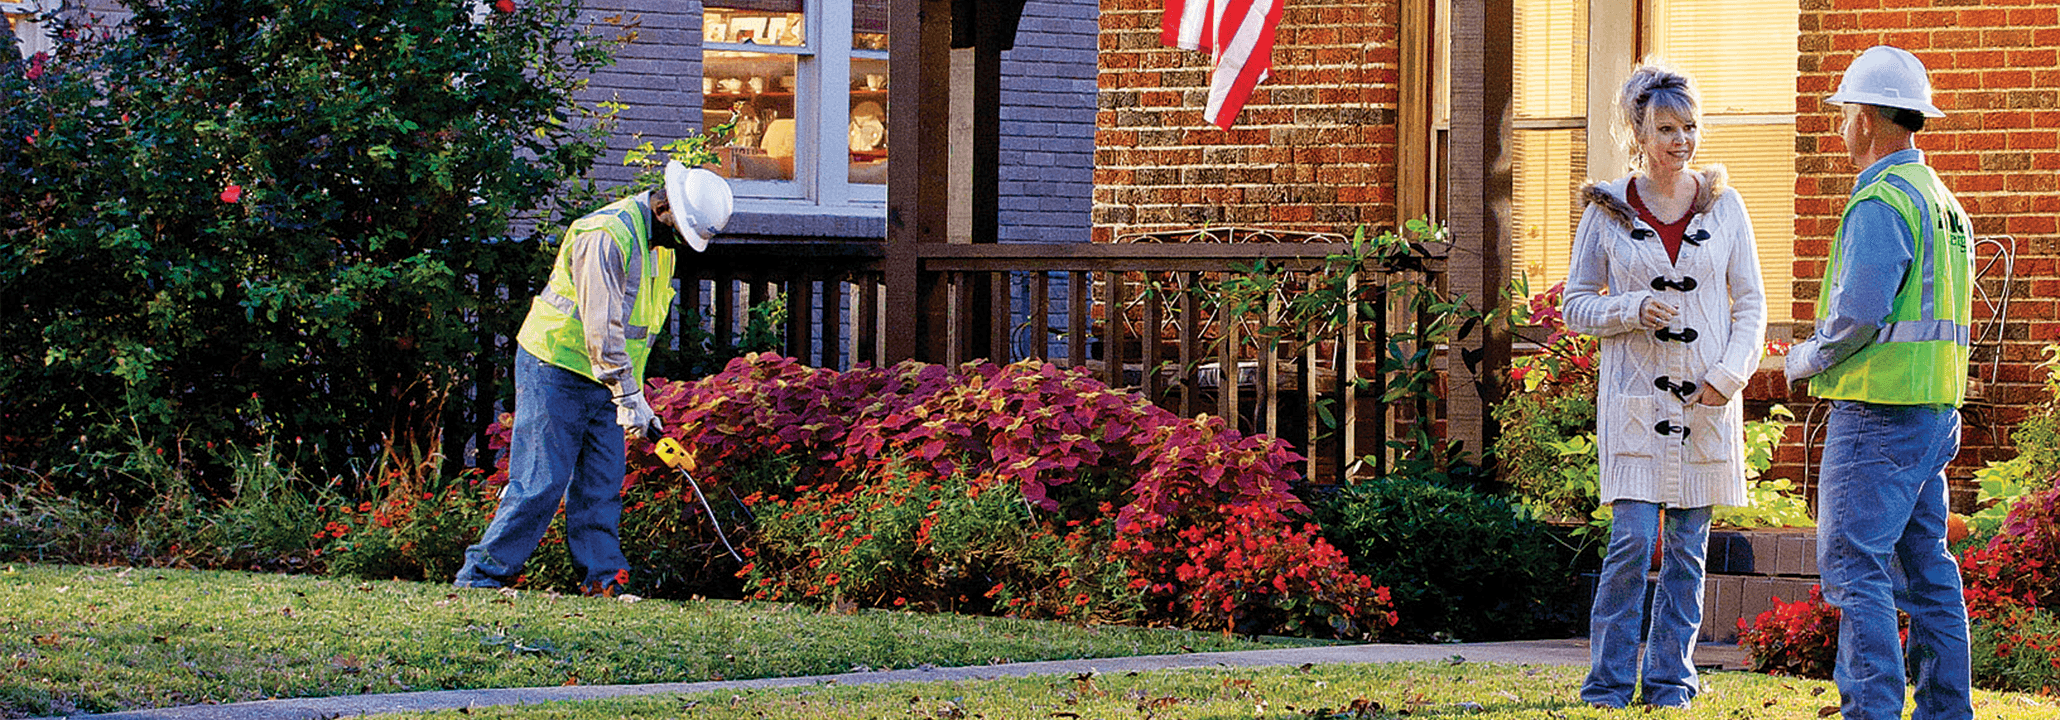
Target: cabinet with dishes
(757, 92)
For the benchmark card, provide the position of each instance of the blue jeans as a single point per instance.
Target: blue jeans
(1881, 546)
(1668, 675)
(565, 447)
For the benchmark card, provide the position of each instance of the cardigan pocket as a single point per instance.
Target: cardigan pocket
(1708, 440)
(1633, 427)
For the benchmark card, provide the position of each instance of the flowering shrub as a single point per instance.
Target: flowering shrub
(911, 538)
(2017, 568)
(416, 527)
(1567, 358)
(1794, 638)
(2017, 649)
(1068, 498)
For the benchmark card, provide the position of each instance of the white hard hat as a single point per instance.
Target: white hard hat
(1888, 77)
(701, 202)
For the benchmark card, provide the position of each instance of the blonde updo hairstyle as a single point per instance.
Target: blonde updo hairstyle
(1653, 86)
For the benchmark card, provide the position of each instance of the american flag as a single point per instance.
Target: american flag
(1239, 37)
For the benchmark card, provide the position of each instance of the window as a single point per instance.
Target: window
(1549, 143)
(30, 36)
(1562, 101)
(1748, 116)
(805, 83)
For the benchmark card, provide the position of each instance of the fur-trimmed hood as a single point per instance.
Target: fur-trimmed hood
(1609, 196)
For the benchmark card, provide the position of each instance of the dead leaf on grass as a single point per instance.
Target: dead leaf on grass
(1158, 703)
(1827, 711)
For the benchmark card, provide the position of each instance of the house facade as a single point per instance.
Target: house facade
(1357, 127)
(1483, 114)
(807, 82)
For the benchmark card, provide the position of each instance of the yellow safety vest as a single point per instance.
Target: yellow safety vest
(553, 333)
(1920, 356)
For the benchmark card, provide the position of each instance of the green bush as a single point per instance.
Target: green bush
(1460, 564)
(237, 220)
(270, 520)
(2017, 649)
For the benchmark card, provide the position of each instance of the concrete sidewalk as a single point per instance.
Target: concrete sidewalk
(1532, 652)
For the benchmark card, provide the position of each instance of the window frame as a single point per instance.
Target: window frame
(822, 115)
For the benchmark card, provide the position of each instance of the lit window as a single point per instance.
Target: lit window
(1748, 120)
(805, 85)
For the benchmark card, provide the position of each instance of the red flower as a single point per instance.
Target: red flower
(505, 6)
(232, 194)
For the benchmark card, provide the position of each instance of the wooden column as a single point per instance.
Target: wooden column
(918, 180)
(1413, 132)
(1478, 209)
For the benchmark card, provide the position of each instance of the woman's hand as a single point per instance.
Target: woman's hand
(1655, 314)
(1709, 396)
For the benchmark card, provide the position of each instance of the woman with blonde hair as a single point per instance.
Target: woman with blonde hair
(1663, 271)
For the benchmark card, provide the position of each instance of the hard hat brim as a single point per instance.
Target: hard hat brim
(1858, 98)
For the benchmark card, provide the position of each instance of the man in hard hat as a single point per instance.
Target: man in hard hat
(579, 373)
(1890, 353)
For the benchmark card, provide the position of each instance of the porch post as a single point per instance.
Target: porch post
(1478, 209)
(918, 176)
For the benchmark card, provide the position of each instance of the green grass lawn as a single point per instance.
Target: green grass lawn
(76, 639)
(1339, 692)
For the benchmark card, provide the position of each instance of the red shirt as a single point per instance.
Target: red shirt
(1669, 233)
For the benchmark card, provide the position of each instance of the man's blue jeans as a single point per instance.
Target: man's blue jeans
(565, 446)
(1668, 675)
(1881, 546)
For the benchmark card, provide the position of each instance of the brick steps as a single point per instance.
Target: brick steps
(1747, 569)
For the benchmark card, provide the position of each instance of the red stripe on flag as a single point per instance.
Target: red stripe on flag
(1238, 34)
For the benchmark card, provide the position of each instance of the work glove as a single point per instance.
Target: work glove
(636, 416)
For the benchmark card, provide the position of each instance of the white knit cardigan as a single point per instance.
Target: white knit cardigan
(1656, 443)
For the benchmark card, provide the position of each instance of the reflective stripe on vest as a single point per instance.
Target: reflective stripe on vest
(1920, 356)
(553, 331)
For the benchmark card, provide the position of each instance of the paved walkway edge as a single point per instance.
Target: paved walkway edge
(1534, 652)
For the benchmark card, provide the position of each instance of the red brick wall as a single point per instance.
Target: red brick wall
(1995, 72)
(1313, 150)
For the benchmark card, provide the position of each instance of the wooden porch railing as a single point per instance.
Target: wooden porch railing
(1171, 340)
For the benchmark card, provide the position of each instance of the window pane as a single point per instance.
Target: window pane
(1551, 57)
(1757, 145)
(868, 120)
(758, 92)
(1706, 39)
(754, 27)
(869, 24)
(1549, 168)
(1760, 160)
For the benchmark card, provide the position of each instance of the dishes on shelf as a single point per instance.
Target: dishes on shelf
(866, 133)
(868, 126)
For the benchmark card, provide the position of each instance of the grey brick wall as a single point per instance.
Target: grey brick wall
(657, 74)
(1047, 123)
